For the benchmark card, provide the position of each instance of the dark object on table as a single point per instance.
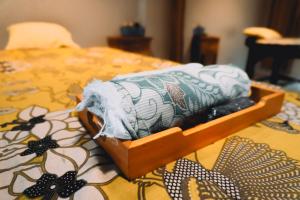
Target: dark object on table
(132, 29)
(218, 111)
(134, 44)
(199, 30)
(204, 48)
(279, 48)
(228, 108)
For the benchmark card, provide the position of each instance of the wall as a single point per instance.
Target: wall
(155, 15)
(294, 70)
(90, 21)
(225, 19)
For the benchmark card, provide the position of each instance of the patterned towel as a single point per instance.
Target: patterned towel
(136, 105)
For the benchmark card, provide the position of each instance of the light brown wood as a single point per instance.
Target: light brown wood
(136, 158)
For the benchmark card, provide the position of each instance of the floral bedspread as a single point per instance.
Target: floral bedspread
(45, 152)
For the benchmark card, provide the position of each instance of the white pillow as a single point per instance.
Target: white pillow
(38, 35)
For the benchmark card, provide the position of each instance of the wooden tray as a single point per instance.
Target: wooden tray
(136, 158)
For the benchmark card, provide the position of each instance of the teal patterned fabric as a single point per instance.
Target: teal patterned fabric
(154, 101)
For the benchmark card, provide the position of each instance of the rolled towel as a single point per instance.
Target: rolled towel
(136, 105)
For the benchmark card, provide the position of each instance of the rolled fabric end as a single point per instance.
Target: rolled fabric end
(103, 100)
(136, 105)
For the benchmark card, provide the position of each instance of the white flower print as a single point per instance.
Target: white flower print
(89, 161)
(75, 151)
(290, 112)
(39, 122)
(64, 129)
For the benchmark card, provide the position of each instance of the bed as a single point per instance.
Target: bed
(46, 152)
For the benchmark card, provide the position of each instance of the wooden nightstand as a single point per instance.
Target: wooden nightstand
(206, 50)
(135, 44)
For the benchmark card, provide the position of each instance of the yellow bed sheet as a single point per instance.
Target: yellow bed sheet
(46, 153)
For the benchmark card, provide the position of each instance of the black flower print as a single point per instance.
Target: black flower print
(298, 97)
(40, 146)
(49, 186)
(5, 67)
(25, 125)
(271, 174)
(186, 169)
(290, 116)
(282, 126)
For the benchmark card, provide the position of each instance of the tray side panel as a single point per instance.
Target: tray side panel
(114, 147)
(135, 158)
(147, 154)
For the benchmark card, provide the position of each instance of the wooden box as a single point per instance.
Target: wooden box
(136, 158)
(209, 47)
(136, 44)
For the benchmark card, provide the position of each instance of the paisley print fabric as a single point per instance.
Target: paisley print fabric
(159, 100)
(37, 91)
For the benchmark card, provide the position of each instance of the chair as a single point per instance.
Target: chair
(263, 42)
(39, 35)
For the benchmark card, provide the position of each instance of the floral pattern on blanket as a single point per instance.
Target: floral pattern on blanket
(53, 145)
(36, 86)
(243, 170)
(287, 119)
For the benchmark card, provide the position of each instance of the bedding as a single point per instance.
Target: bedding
(134, 106)
(45, 152)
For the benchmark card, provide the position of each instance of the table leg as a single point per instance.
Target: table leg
(251, 61)
(277, 63)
